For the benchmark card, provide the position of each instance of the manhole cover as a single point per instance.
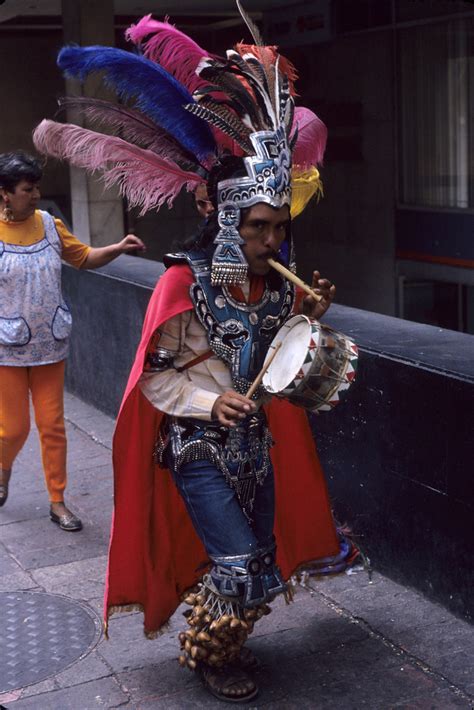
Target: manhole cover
(40, 635)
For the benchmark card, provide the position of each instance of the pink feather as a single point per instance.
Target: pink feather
(133, 126)
(173, 50)
(143, 177)
(311, 141)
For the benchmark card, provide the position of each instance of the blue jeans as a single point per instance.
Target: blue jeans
(217, 516)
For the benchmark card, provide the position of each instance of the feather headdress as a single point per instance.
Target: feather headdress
(145, 177)
(181, 111)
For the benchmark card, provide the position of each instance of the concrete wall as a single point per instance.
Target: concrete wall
(29, 86)
(397, 453)
(349, 235)
(162, 230)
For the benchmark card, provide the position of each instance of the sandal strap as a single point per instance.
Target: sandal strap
(218, 681)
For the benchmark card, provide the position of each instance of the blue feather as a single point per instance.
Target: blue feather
(155, 91)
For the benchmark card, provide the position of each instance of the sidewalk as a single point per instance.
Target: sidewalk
(344, 644)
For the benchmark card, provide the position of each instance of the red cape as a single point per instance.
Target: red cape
(155, 554)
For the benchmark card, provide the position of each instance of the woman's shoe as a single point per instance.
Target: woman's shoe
(4, 481)
(3, 493)
(66, 521)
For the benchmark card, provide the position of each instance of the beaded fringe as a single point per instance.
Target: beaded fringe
(219, 627)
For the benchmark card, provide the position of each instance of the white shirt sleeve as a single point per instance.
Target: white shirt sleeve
(168, 390)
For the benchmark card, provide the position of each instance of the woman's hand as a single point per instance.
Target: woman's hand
(316, 309)
(131, 243)
(230, 407)
(100, 256)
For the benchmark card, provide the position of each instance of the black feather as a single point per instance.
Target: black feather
(223, 119)
(253, 29)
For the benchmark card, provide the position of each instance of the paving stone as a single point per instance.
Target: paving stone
(98, 428)
(358, 675)
(361, 595)
(334, 698)
(97, 603)
(303, 609)
(79, 546)
(9, 697)
(193, 698)
(94, 479)
(16, 581)
(422, 628)
(127, 647)
(27, 478)
(92, 667)
(24, 505)
(315, 637)
(458, 667)
(440, 700)
(104, 693)
(312, 656)
(7, 564)
(159, 681)
(83, 579)
(334, 585)
(386, 596)
(83, 461)
(41, 532)
(45, 686)
(343, 662)
(88, 418)
(41, 543)
(434, 642)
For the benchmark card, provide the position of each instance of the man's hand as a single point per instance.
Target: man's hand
(316, 309)
(131, 243)
(230, 407)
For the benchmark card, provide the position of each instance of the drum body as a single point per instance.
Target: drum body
(314, 366)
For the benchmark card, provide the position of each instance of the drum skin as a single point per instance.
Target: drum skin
(314, 366)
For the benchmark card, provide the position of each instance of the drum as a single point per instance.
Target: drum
(314, 365)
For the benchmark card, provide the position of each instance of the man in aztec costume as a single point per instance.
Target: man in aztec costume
(219, 498)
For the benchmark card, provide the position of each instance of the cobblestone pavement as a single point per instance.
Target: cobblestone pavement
(344, 643)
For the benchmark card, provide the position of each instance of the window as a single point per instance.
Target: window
(436, 101)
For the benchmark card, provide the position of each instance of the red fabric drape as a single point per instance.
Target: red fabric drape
(155, 555)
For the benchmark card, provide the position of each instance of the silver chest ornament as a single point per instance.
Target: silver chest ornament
(238, 333)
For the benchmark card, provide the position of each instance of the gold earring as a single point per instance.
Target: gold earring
(7, 215)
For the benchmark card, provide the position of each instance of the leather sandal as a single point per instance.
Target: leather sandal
(232, 683)
(68, 521)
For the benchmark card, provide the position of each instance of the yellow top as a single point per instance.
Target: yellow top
(31, 230)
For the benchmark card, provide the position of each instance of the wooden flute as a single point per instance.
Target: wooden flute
(295, 279)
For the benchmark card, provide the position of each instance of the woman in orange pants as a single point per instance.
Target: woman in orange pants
(45, 382)
(35, 324)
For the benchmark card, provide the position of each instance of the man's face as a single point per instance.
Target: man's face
(263, 229)
(203, 204)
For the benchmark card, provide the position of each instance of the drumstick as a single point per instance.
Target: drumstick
(296, 280)
(260, 375)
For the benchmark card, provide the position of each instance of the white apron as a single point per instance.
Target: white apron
(35, 322)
